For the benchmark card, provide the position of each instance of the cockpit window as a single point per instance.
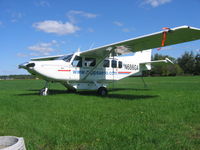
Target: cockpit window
(77, 62)
(66, 58)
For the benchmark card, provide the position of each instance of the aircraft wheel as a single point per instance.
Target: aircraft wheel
(71, 90)
(44, 92)
(102, 91)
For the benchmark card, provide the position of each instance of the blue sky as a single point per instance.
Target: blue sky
(34, 28)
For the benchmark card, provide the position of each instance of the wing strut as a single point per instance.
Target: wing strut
(99, 62)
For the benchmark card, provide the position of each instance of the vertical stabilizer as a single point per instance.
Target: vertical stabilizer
(143, 56)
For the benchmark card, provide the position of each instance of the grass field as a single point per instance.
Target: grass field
(166, 115)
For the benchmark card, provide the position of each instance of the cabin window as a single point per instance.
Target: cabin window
(114, 64)
(119, 64)
(90, 62)
(77, 62)
(106, 63)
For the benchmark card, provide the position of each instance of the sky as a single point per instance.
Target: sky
(36, 28)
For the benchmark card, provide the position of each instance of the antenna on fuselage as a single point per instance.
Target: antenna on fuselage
(79, 49)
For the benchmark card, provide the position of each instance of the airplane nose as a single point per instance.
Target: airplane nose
(23, 65)
(27, 65)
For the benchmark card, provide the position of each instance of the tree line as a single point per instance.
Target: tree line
(187, 64)
(11, 77)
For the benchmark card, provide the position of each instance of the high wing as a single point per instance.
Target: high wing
(173, 36)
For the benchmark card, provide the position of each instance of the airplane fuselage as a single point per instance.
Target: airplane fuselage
(59, 70)
(78, 72)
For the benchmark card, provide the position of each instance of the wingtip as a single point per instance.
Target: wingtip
(185, 27)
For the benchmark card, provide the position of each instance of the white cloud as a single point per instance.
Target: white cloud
(15, 16)
(156, 3)
(21, 55)
(90, 30)
(43, 3)
(126, 30)
(121, 26)
(82, 13)
(118, 23)
(56, 27)
(63, 28)
(72, 15)
(43, 48)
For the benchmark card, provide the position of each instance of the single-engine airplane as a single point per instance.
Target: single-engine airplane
(95, 68)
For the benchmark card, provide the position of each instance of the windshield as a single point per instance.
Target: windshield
(66, 58)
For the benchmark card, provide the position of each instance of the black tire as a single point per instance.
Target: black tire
(102, 91)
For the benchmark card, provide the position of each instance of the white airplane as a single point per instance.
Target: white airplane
(94, 69)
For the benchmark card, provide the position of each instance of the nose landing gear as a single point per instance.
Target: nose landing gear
(45, 90)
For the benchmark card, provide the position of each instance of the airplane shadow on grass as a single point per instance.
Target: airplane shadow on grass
(125, 89)
(94, 93)
(121, 96)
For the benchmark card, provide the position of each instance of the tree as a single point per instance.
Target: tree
(187, 62)
(163, 69)
(197, 65)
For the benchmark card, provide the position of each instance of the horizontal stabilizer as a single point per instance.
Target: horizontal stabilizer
(166, 60)
(147, 65)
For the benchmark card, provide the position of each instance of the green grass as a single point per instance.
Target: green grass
(164, 116)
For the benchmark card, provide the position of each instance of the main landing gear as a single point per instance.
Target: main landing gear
(45, 90)
(102, 91)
